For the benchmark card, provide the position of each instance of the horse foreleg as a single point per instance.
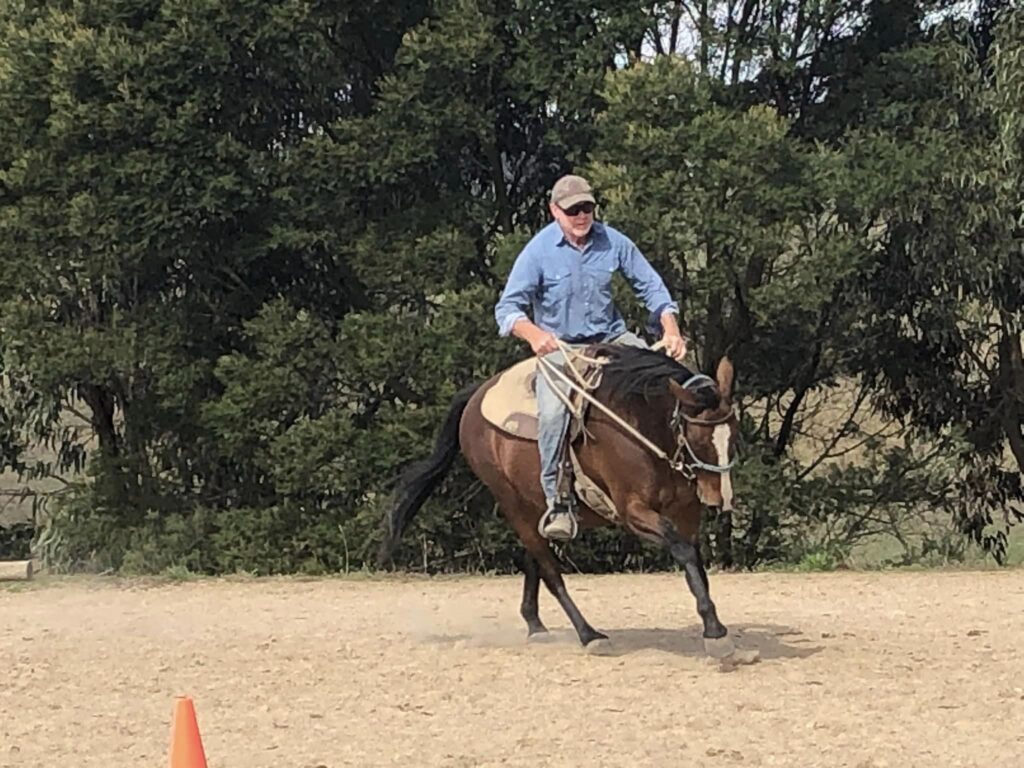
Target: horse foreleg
(716, 637)
(650, 525)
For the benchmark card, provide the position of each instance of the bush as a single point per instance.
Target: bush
(16, 540)
(287, 538)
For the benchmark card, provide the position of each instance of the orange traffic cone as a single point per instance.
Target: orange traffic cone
(186, 744)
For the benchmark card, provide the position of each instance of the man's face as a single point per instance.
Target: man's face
(576, 220)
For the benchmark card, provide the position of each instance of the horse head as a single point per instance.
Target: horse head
(707, 430)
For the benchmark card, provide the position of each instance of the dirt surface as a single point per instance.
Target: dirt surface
(890, 669)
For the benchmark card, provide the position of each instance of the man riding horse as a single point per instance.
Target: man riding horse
(564, 275)
(659, 439)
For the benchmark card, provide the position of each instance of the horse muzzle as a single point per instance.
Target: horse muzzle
(715, 491)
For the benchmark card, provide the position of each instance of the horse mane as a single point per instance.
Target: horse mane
(636, 372)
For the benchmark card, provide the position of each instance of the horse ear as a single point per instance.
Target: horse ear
(724, 377)
(683, 395)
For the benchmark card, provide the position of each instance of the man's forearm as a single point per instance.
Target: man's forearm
(669, 324)
(524, 329)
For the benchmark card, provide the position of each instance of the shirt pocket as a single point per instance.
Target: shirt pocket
(598, 280)
(554, 287)
(554, 299)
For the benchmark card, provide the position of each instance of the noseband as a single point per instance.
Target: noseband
(680, 420)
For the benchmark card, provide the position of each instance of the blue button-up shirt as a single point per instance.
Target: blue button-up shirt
(570, 292)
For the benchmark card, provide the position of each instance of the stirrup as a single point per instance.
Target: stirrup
(558, 534)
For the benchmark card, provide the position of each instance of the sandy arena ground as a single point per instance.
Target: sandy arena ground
(857, 669)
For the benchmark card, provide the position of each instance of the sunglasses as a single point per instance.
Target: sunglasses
(579, 208)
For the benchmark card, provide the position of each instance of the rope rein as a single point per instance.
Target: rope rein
(579, 384)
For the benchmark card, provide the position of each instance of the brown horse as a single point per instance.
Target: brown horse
(658, 499)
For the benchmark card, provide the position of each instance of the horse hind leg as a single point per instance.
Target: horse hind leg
(512, 506)
(539, 564)
(531, 587)
(589, 637)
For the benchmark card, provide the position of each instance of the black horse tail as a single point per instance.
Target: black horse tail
(421, 477)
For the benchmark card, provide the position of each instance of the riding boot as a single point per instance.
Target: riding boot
(558, 523)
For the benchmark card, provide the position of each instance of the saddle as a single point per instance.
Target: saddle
(511, 406)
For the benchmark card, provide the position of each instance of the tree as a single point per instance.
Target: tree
(945, 288)
(256, 247)
(141, 150)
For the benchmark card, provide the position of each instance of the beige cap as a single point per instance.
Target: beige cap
(571, 190)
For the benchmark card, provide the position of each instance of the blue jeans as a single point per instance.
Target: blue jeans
(553, 416)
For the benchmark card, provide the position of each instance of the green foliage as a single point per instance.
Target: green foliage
(256, 247)
(817, 560)
(943, 289)
(15, 541)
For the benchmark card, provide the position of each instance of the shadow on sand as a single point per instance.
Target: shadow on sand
(771, 641)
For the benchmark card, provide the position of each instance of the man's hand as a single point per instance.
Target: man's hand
(671, 338)
(541, 342)
(544, 343)
(674, 345)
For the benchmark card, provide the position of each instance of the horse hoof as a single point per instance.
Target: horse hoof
(600, 646)
(541, 636)
(719, 647)
(740, 658)
(745, 656)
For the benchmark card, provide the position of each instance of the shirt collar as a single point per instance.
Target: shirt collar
(597, 234)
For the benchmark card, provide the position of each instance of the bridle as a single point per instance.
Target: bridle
(688, 463)
(684, 464)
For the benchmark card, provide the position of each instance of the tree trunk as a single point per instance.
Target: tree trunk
(1011, 385)
(101, 403)
(500, 191)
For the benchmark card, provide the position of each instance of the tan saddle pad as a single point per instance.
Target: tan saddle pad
(511, 404)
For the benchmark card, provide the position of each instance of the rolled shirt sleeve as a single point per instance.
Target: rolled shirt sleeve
(647, 283)
(520, 291)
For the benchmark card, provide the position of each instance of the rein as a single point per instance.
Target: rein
(579, 384)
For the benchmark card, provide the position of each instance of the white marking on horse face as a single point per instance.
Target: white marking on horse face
(720, 439)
